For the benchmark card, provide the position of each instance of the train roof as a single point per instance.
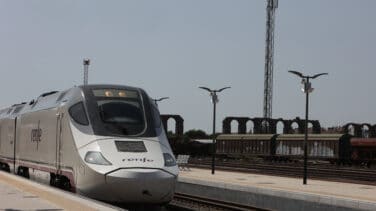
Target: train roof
(245, 136)
(299, 137)
(281, 137)
(52, 99)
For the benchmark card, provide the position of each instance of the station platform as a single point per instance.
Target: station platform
(17, 193)
(275, 192)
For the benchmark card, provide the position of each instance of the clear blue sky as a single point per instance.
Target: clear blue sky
(170, 47)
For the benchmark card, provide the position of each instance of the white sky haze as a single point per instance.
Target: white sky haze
(170, 47)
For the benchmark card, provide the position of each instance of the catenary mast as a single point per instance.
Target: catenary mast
(269, 51)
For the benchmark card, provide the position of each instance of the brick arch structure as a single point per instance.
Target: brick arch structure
(300, 122)
(372, 132)
(316, 127)
(258, 125)
(357, 129)
(242, 124)
(369, 128)
(179, 123)
(285, 125)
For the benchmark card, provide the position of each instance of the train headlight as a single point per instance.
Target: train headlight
(96, 158)
(169, 160)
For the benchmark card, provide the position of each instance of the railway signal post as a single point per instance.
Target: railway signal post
(214, 99)
(307, 88)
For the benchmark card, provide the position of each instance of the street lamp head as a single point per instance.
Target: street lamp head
(214, 97)
(296, 73)
(220, 90)
(205, 88)
(162, 98)
(317, 75)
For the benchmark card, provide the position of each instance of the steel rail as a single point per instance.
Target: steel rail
(194, 202)
(325, 172)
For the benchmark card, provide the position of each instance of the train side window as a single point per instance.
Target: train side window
(77, 112)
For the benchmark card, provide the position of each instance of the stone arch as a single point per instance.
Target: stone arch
(179, 123)
(250, 126)
(316, 127)
(357, 129)
(278, 122)
(226, 125)
(271, 125)
(299, 122)
(234, 125)
(372, 132)
(365, 132)
(242, 124)
(171, 124)
(287, 129)
(257, 125)
(294, 130)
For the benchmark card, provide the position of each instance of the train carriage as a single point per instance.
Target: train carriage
(245, 144)
(103, 141)
(363, 150)
(319, 146)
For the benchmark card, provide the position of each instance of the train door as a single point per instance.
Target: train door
(14, 144)
(59, 179)
(59, 119)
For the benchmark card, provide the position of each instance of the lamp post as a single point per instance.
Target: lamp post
(160, 99)
(214, 99)
(86, 71)
(306, 89)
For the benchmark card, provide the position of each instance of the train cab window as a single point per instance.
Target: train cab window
(122, 116)
(78, 114)
(121, 111)
(156, 115)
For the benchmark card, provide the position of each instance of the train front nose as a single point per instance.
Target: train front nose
(128, 171)
(140, 185)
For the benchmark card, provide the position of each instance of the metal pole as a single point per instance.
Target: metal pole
(214, 141)
(307, 90)
(214, 97)
(86, 71)
(306, 87)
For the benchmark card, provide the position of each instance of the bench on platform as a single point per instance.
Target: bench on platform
(182, 162)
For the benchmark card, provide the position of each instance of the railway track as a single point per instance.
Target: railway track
(190, 202)
(316, 171)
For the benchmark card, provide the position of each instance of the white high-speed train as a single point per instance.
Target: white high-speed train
(102, 141)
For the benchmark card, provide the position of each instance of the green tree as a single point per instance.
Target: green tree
(196, 134)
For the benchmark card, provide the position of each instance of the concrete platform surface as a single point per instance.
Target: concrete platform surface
(347, 195)
(17, 193)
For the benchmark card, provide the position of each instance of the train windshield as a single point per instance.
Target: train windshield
(121, 111)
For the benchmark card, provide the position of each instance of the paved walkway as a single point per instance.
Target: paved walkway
(16, 199)
(17, 193)
(323, 188)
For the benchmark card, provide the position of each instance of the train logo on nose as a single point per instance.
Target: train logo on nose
(143, 160)
(36, 134)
